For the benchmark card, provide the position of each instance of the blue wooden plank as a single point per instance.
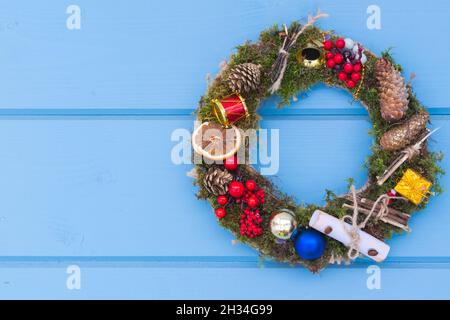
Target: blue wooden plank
(108, 187)
(85, 121)
(188, 262)
(266, 111)
(156, 54)
(222, 283)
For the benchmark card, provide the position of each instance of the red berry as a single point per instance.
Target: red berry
(220, 213)
(252, 202)
(356, 76)
(338, 58)
(251, 185)
(329, 55)
(331, 63)
(348, 67)
(391, 193)
(231, 163)
(236, 189)
(222, 200)
(342, 76)
(327, 45)
(357, 67)
(340, 43)
(351, 84)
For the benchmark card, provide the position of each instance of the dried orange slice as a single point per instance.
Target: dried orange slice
(215, 142)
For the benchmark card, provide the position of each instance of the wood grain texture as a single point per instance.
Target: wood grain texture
(86, 175)
(99, 188)
(222, 283)
(154, 54)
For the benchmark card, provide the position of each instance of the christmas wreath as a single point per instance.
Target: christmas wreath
(402, 171)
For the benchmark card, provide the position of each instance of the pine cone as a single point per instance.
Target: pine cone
(406, 133)
(244, 77)
(391, 90)
(216, 181)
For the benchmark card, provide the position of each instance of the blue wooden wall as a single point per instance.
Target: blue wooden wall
(86, 177)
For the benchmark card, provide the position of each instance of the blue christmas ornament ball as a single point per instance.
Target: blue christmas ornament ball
(310, 244)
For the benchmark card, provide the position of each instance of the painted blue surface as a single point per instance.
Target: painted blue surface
(86, 176)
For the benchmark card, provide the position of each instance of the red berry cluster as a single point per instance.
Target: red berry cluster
(251, 216)
(251, 223)
(343, 61)
(250, 196)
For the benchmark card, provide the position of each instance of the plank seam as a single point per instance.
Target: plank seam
(186, 112)
(436, 262)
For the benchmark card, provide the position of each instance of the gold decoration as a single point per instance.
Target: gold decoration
(356, 94)
(406, 133)
(310, 57)
(413, 187)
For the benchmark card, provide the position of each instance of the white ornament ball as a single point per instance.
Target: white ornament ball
(283, 224)
(349, 43)
(363, 58)
(355, 48)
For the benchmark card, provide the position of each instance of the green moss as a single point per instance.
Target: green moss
(298, 80)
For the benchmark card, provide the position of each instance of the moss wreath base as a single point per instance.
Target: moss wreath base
(297, 78)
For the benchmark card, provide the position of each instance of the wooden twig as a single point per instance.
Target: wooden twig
(405, 155)
(280, 64)
(387, 220)
(390, 211)
(369, 203)
(390, 215)
(367, 210)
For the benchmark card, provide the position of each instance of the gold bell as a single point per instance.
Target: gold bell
(311, 56)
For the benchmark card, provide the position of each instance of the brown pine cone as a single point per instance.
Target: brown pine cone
(244, 77)
(216, 181)
(391, 90)
(406, 133)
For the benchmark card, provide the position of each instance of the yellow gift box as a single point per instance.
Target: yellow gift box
(413, 187)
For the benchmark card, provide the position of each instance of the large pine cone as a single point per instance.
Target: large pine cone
(406, 133)
(391, 90)
(216, 181)
(244, 77)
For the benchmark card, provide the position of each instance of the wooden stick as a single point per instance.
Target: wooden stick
(364, 202)
(280, 64)
(392, 168)
(386, 219)
(405, 155)
(366, 211)
(391, 211)
(392, 216)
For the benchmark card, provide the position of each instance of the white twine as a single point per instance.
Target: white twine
(353, 231)
(412, 151)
